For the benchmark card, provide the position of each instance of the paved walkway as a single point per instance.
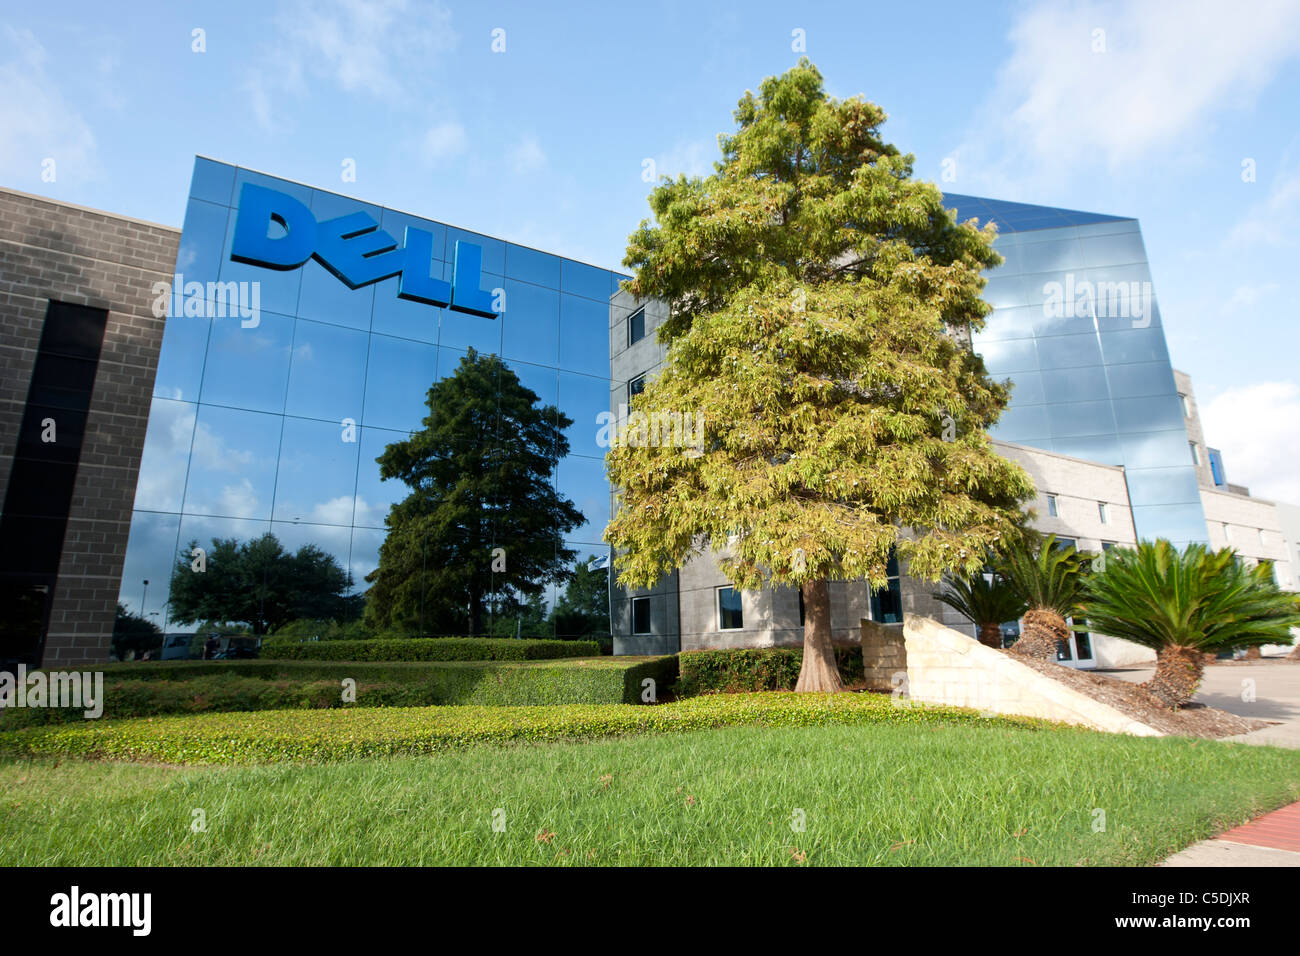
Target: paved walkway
(1270, 840)
(1267, 690)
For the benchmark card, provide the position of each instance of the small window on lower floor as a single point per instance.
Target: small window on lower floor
(641, 615)
(731, 615)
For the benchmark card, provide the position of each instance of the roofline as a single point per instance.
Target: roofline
(371, 202)
(90, 209)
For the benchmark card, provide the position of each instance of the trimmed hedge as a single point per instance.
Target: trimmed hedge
(324, 735)
(187, 688)
(428, 649)
(732, 671)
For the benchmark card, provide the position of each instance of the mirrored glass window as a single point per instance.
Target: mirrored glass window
(584, 335)
(529, 265)
(1081, 418)
(151, 553)
(374, 495)
(404, 371)
(211, 181)
(166, 458)
(327, 372)
(1068, 351)
(1155, 413)
(248, 367)
(583, 481)
(317, 477)
(531, 324)
(1075, 385)
(585, 399)
(324, 297)
(232, 467)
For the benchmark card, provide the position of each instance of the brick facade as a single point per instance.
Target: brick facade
(55, 251)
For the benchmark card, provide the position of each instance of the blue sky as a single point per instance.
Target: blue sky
(545, 143)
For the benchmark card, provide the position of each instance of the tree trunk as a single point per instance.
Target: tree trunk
(818, 672)
(990, 635)
(1253, 653)
(1178, 674)
(1043, 629)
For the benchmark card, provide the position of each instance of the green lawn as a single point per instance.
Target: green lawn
(930, 791)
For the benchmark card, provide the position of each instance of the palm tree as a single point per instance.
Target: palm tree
(1185, 604)
(986, 601)
(1048, 580)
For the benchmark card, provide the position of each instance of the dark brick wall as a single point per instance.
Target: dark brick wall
(50, 250)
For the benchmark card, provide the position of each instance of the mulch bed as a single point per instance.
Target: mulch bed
(1194, 720)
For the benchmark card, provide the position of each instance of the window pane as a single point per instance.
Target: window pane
(166, 457)
(375, 496)
(317, 477)
(232, 471)
(730, 614)
(531, 324)
(583, 399)
(327, 372)
(641, 615)
(404, 371)
(249, 367)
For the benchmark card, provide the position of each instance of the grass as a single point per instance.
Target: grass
(914, 791)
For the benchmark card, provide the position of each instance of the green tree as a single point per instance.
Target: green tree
(260, 584)
(132, 632)
(1048, 578)
(987, 601)
(512, 617)
(1185, 604)
(480, 478)
(820, 300)
(583, 609)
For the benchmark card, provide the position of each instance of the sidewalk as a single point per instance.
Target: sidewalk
(1270, 840)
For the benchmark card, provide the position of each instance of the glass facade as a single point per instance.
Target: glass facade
(1077, 329)
(275, 425)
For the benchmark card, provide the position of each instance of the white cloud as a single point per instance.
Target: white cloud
(527, 155)
(371, 47)
(1247, 297)
(1167, 66)
(36, 124)
(1271, 220)
(1256, 427)
(442, 142)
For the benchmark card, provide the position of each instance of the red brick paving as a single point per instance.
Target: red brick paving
(1279, 830)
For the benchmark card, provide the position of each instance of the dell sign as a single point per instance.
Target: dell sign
(356, 250)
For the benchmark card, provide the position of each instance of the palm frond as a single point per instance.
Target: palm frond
(1157, 596)
(1049, 578)
(982, 599)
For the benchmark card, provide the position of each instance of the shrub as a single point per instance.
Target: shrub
(323, 735)
(428, 649)
(751, 669)
(187, 688)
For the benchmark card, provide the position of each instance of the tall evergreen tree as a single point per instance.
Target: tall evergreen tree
(480, 478)
(819, 301)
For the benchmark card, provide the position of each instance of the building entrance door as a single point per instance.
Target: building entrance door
(1077, 651)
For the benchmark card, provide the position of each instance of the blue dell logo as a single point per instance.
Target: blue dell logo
(356, 250)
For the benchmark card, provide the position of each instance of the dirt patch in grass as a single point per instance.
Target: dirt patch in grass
(1194, 720)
